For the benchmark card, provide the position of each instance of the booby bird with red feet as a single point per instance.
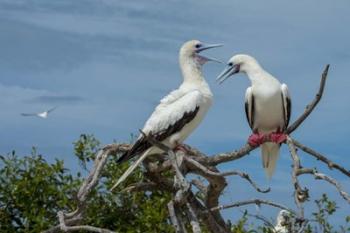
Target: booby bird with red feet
(267, 107)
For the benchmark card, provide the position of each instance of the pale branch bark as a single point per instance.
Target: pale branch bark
(185, 207)
(266, 221)
(192, 215)
(322, 158)
(227, 157)
(321, 176)
(298, 170)
(173, 218)
(253, 201)
(66, 228)
(88, 185)
(230, 173)
(213, 189)
(199, 185)
(57, 228)
(300, 195)
(142, 186)
(207, 217)
(310, 107)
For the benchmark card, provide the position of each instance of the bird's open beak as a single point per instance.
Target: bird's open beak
(227, 72)
(208, 46)
(204, 59)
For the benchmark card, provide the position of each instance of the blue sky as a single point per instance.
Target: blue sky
(107, 63)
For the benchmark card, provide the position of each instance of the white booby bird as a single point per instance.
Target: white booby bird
(178, 113)
(282, 221)
(267, 107)
(44, 114)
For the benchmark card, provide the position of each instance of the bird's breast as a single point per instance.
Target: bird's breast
(268, 109)
(192, 125)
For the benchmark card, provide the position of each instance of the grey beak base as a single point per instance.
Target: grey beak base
(227, 72)
(208, 46)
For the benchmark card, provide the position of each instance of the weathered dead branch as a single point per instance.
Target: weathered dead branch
(185, 204)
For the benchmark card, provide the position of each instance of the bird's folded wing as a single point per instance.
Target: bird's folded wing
(168, 118)
(287, 104)
(249, 107)
(169, 113)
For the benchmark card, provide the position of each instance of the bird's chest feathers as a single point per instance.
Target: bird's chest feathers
(268, 107)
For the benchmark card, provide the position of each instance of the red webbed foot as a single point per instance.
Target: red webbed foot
(181, 147)
(278, 137)
(256, 139)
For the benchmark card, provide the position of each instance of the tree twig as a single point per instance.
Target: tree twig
(322, 158)
(321, 176)
(253, 201)
(230, 173)
(310, 107)
(300, 195)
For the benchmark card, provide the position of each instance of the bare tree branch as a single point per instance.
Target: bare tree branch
(321, 176)
(253, 201)
(230, 173)
(193, 219)
(142, 186)
(186, 208)
(322, 158)
(173, 218)
(310, 107)
(88, 185)
(300, 195)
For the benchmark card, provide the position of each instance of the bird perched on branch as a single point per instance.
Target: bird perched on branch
(284, 220)
(44, 114)
(178, 113)
(267, 107)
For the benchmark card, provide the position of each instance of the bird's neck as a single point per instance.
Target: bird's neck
(191, 71)
(193, 77)
(258, 75)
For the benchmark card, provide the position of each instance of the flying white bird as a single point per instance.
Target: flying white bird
(44, 114)
(267, 107)
(178, 113)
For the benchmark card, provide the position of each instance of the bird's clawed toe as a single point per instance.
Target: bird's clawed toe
(256, 139)
(278, 137)
(181, 147)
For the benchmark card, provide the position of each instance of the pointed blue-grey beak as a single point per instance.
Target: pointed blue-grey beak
(205, 47)
(227, 72)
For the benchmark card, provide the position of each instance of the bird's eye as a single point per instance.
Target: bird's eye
(230, 64)
(198, 46)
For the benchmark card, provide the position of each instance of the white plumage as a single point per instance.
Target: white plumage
(178, 113)
(267, 104)
(173, 107)
(282, 221)
(44, 114)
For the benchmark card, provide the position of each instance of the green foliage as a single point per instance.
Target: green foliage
(325, 209)
(85, 148)
(32, 191)
(242, 225)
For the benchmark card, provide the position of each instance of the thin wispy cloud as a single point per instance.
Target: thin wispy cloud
(54, 99)
(120, 57)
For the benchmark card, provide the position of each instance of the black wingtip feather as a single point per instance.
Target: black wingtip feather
(141, 145)
(123, 157)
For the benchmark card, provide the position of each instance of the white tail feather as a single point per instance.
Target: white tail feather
(270, 153)
(131, 168)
